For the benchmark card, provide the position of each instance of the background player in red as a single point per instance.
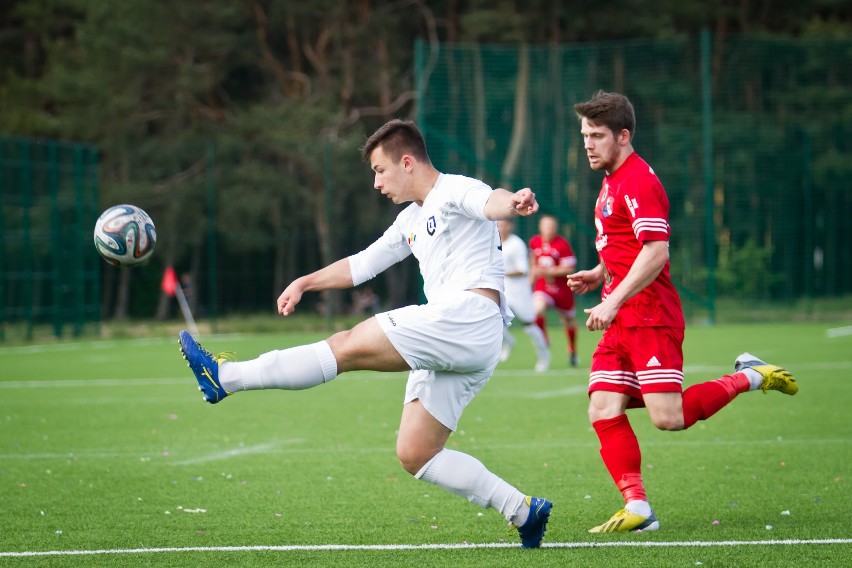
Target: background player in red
(551, 260)
(639, 359)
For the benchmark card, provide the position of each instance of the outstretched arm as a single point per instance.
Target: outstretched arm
(334, 276)
(504, 204)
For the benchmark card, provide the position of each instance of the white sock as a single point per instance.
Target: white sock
(754, 377)
(296, 368)
(537, 337)
(641, 508)
(467, 477)
(507, 337)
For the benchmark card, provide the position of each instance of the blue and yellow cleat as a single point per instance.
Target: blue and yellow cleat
(774, 377)
(625, 521)
(204, 366)
(532, 531)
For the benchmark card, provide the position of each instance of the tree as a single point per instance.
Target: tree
(285, 91)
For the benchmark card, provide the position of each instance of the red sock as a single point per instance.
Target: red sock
(621, 455)
(703, 400)
(572, 339)
(539, 321)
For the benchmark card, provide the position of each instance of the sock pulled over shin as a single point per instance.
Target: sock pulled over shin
(703, 400)
(466, 476)
(621, 456)
(295, 368)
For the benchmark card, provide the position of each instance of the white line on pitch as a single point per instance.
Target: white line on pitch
(839, 331)
(107, 343)
(276, 449)
(393, 547)
(73, 383)
(257, 449)
(541, 395)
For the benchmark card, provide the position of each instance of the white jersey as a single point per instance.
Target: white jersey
(452, 343)
(456, 246)
(518, 290)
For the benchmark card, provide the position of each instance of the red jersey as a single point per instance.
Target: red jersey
(557, 252)
(633, 208)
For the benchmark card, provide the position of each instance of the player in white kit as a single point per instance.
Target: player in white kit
(450, 345)
(519, 294)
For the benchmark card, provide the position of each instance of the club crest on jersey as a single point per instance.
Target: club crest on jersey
(431, 225)
(606, 210)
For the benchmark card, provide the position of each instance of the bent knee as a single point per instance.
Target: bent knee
(412, 467)
(341, 340)
(603, 412)
(604, 405)
(413, 461)
(669, 422)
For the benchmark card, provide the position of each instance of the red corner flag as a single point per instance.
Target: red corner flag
(169, 282)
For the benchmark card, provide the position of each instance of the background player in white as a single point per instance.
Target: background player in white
(450, 345)
(516, 260)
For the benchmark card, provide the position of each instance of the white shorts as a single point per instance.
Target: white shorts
(519, 297)
(452, 346)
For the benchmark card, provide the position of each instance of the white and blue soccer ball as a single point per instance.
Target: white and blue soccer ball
(125, 235)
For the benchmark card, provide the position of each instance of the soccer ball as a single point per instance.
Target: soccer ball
(125, 235)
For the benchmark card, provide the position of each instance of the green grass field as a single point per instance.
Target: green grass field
(107, 446)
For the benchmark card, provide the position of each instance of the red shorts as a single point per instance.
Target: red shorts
(561, 299)
(638, 360)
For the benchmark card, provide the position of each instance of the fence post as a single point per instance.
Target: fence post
(707, 131)
(2, 246)
(331, 302)
(26, 237)
(56, 236)
(808, 216)
(211, 233)
(93, 261)
(77, 268)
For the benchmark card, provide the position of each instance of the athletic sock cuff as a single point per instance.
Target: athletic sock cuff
(326, 359)
(429, 472)
(604, 424)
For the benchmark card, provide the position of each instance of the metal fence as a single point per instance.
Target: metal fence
(750, 137)
(49, 273)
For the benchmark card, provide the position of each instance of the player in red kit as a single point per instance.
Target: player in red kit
(551, 260)
(639, 359)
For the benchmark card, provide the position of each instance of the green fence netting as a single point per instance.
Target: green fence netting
(48, 206)
(750, 137)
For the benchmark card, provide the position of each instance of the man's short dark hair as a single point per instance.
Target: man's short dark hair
(397, 138)
(612, 110)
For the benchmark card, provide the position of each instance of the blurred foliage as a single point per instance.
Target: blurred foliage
(269, 100)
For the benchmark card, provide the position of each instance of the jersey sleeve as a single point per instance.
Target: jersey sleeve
(566, 253)
(472, 199)
(386, 251)
(648, 207)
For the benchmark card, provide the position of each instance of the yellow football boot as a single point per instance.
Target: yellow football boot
(774, 377)
(625, 521)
